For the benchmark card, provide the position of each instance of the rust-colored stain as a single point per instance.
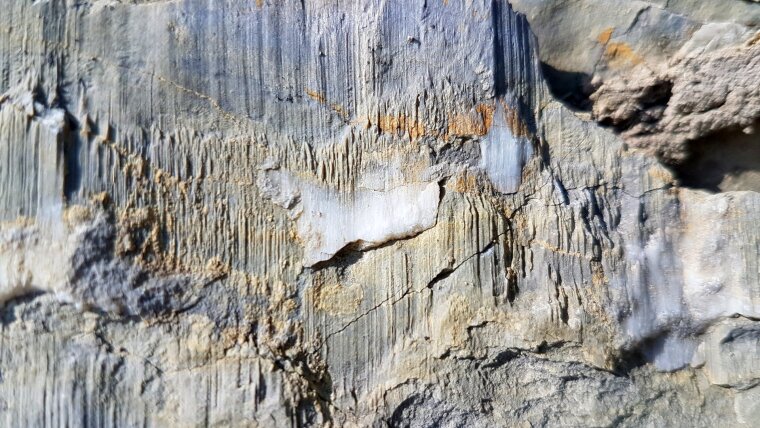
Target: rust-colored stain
(320, 98)
(515, 123)
(605, 36)
(400, 123)
(619, 54)
(466, 183)
(466, 124)
(477, 122)
(259, 3)
(486, 112)
(316, 96)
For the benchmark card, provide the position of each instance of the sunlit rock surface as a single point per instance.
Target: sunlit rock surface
(328, 221)
(365, 213)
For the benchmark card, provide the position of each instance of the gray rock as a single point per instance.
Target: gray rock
(361, 213)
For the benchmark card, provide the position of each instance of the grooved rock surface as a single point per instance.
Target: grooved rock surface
(379, 213)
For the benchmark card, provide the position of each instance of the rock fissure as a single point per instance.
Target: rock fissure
(357, 213)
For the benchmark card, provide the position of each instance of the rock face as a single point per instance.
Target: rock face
(365, 213)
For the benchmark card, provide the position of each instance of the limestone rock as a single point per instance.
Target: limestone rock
(364, 213)
(665, 74)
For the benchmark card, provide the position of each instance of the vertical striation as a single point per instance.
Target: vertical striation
(371, 213)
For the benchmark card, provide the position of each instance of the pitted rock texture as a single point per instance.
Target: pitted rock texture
(666, 74)
(698, 97)
(378, 213)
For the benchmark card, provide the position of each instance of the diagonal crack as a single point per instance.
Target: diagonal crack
(440, 276)
(446, 272)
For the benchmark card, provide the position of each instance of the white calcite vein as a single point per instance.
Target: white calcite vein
(328, 221)
(503, 154)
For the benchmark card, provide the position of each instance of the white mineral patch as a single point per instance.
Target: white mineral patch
(655, 291)
(328, 221)
(503, 155)
(682, 281)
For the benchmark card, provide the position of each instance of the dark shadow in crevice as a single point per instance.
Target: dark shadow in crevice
(346, 257)
(406, 410)
(7, 309)
(499, 74)
(72, 146)
(628, 360)
(724, 161)
(647, 106)
(571, 88)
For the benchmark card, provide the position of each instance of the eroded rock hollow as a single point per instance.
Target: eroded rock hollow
(379, 213)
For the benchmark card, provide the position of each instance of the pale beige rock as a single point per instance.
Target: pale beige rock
(359, 213)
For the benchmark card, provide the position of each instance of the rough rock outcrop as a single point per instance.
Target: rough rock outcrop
(677, 79)
(365, 213)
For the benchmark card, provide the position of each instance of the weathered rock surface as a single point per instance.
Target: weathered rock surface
(361, 213)
(666, 74)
